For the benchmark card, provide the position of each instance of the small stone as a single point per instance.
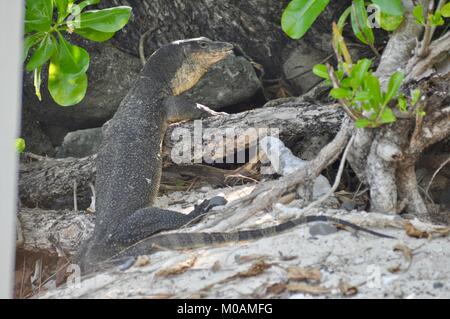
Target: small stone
(204, 189)
(349, 206)
(438, 285)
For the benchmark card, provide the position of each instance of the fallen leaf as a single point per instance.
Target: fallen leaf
(395, 269)
(177, 269)
(276, 289)
(244, 259)
(300, 274)
(255, 269)
(406, 251)
(308, 289)
(412, 231)
(347, 289)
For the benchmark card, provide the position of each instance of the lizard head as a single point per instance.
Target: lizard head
(198, 55)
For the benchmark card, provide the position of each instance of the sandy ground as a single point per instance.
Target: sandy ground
(296, 264)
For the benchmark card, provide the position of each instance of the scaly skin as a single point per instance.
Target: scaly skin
(128, 165)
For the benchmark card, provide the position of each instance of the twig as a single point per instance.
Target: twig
(435, 174)
(428, 34)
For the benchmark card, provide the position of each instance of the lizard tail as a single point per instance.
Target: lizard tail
(179, 241)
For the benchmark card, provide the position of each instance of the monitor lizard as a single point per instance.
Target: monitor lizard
(128, 165)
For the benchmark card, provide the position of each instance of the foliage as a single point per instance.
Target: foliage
(360, 91)
(434, 19)
(355, 86)
(299, 15)
(68, 63)
(20, 145)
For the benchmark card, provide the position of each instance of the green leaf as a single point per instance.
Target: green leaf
(393, 87)
(72, 59)
(415, 96)
(20, 145)
(359, 71)
(389, 22)
(66, 89)
(321, 70)
(402, 104)
(341, 93)
(362, 123)
(418, 14)
(436, 19)
(362, 96)
(86, 3)
(343, 18)
(106, 20)
(29, 42)
(387, 116)
(445, 11)
(43, 53)
(374, 88)
(62, 8)
(360, 24)
(390, 7)
(299, 16)
(38, 15)
(94, 35)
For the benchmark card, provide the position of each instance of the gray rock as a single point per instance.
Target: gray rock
(80, 143)
(297, 68)
(230, 82)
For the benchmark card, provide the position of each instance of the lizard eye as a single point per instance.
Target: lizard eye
(203, 45)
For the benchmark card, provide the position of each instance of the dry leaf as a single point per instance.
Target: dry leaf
(177, 269)
(347, 289)
(307, 289)
(395, 269)
(276, 289)
(257, 268)
(142, 261)
(412, 231)
(244, 259)
(300, 274)
(406, 251)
